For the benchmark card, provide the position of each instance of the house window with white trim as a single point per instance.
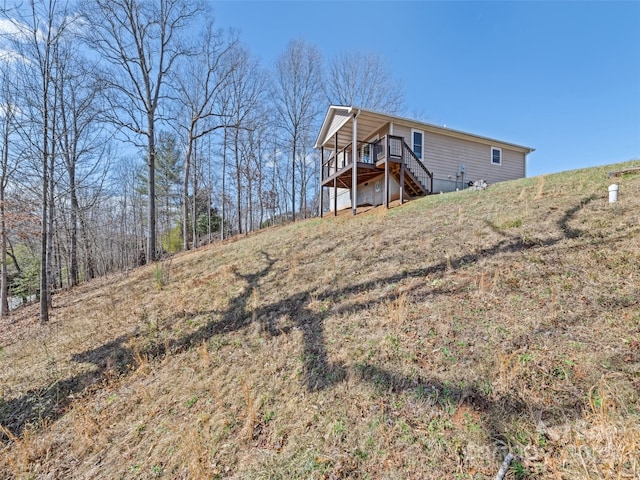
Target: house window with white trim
(417, 142)
(496, 156)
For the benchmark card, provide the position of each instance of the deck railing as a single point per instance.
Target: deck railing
(344, 157)
(373, 152)
(380, 149)
(336, 162)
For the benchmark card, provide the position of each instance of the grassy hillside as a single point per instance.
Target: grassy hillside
(425, 341)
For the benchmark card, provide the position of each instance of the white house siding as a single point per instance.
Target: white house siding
(367, 194)
(515, 163)
(443, 156)
(337, 121)
(344, 198)
(381, 132)
(403, 131)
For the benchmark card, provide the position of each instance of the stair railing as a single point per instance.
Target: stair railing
(396, 148)
(417, 168)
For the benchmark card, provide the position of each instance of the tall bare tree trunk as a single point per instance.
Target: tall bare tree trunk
(261, 179)
(185, 195)
(44, 230)
(293, 178)
(194, 214)
(236, 142)
(224, 176)
(151, 153)
(249, 225)
(89, 261)
(73, 254)
(4, 286)
(50, 229)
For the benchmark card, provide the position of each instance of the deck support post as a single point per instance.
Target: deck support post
(354, 159)
(335, 196)
(402, 183)
(321, 180)
(386, 174)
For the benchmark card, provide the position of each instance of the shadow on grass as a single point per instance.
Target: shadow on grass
(116, 358)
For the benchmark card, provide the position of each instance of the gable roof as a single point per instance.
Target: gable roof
(370, 121)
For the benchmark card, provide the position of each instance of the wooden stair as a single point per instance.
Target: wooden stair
(412, 186)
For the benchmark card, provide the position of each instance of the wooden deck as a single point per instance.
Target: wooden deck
(389, 156)
(368, 171)
(344, 176)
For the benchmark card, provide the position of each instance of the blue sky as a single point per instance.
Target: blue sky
(561, 77)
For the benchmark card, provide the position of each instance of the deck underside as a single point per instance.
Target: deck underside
(368, 171)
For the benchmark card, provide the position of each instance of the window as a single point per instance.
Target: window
(366, 153)
(417, 142)
(496, 156)
(369, 151)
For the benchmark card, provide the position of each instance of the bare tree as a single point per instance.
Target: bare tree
(38, 30)
(308, 170)
(223, 176)
(363, 80)
(252, 167)
(242, 98)
(296, 93)
(141, 42)
(199, 84)
(79, 137)
(8, 164)
(128, 211)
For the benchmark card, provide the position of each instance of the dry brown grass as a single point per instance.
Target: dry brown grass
(420, 342)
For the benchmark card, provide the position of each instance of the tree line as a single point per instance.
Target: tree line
(132, 129)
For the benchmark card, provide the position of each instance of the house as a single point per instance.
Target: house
(398, 157)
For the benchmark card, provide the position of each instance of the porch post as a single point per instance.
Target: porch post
(386, 169)
(335, 196)
(321, 180)
(402, 183)
(386, 181)
(386, 172)
(335, 154)
(354, 156)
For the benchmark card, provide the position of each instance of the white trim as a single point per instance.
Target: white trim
(421, 132)
(491, 158)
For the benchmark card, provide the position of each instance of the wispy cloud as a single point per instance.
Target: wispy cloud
(9, 28)
(10, 56)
